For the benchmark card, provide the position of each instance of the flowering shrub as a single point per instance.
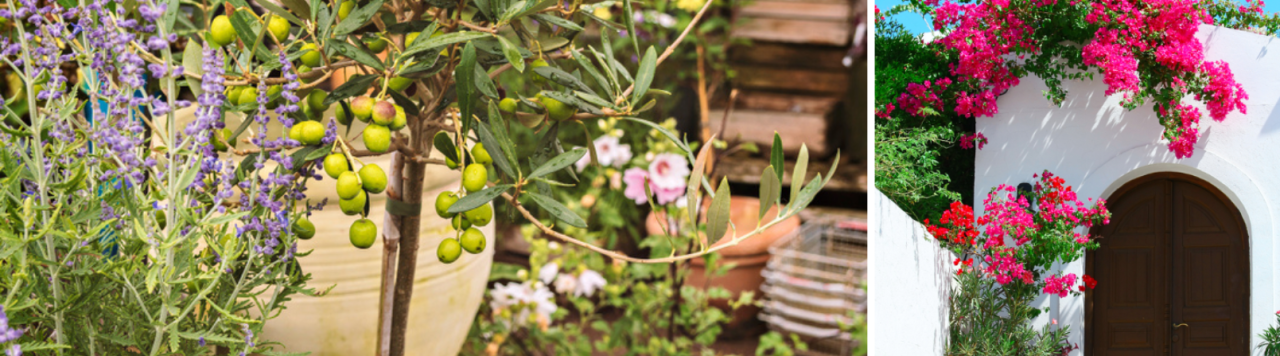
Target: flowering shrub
(1004, 261)
(139, 217)
(1144, 50)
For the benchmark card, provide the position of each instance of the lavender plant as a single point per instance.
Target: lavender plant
(128, 228)
(122, 229)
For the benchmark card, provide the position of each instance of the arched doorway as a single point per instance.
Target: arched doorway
(1172, 271)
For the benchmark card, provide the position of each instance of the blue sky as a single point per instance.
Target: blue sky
(917, 24)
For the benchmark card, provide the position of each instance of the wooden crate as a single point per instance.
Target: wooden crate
(795, 128)
(824, 22)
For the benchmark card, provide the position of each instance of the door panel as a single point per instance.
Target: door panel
(1131, 272)
(1174, 253)
(1208, 293)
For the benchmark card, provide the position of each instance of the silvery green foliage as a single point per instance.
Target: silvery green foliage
(121, 230)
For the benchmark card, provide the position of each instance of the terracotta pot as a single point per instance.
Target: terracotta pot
(750, 255)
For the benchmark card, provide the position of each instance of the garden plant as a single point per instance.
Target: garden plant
(928, 94)
(1005, 260)
(129, 227)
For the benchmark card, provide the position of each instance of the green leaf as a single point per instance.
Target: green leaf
(444, 144)
(718, 214)
(465, 84)
(430, 43)
(592, 99)
(563, 78)
(644, 75)
(476, 199)
(512, 53)
(541, 5)
(503, 161)
(249, 35)
(776, 157)
(192, 63)
(558, 21)
(498, 126)
(694, 185)
(484, 84)
(770, 190)
(797, 175)
(357, 85)
(805, 196)
(170, 15)
(630, 21)
(559, 211)
(276, 9)
(585, 64)
(358, 54)
(357, 18)
(559, 162)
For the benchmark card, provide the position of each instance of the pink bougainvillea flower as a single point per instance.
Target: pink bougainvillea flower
(609, 151)
(1223, 92)
(1059, 285)
(976, 138)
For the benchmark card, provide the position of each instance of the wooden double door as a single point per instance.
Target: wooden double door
(1172, 271)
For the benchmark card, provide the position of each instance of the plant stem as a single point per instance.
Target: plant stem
(410, 228)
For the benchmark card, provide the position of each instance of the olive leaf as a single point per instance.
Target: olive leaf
(559, 211)
(444, 144)
(718, 214)
(421, 45)
(502, 161)
(695, 182)
(776, 157)
(358, 54)
(484, 84)
(354, 86)
(797, 175)
(476, 199)
(464, 76)
(770, 190)
(559, 162)
(512, 53)
(563, 78)
(357, 18)
(275, 9)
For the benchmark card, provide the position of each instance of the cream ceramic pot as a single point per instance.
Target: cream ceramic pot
(345, 321)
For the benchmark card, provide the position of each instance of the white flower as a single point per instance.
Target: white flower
(609, 151)
(566, 284)
(588, 283)
(548, 272)
(669, 170)
(523, 298)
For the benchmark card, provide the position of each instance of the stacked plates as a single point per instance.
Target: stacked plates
(813, 284)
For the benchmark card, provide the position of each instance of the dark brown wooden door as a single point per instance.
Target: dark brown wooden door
(1172, 272)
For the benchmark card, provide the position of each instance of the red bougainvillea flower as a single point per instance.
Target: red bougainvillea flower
(1016, 242)
(1088, 283)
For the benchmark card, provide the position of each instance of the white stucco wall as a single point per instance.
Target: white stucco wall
(1097, 146)
(911, 277)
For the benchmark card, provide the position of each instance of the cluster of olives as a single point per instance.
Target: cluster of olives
(474, 177)
(383, 117)
(354, 188)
